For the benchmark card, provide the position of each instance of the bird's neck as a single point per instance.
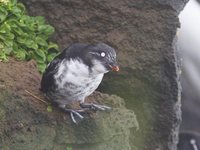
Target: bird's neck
(98, 68)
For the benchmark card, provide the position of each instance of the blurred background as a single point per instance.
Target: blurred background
(189, 50)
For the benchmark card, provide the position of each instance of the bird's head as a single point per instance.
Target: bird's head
(103, 58)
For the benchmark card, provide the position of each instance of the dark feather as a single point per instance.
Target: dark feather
(47, 78)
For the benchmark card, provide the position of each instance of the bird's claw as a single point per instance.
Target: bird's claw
(100, 107)
(95, 106)
(74, 113)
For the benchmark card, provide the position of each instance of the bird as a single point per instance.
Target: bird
(76, 73)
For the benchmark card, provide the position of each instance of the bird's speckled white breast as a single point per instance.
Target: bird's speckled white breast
(75, 81)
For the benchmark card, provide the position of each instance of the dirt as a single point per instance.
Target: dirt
(23, 78)
(20, 77)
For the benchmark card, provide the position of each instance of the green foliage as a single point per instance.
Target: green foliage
(23, 36)
(69, 147)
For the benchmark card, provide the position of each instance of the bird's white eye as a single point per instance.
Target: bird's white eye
(103, 54)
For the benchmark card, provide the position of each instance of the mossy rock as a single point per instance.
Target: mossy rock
(23, 126)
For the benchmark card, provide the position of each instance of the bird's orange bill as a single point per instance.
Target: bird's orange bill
(115, 68)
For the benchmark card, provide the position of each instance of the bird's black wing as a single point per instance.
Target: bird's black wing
(48, 76)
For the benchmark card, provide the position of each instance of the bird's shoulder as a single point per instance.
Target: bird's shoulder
(73, 51)
(48, 76)
(53, 65)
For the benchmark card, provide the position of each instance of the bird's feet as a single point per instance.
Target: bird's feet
(95, 106)
(74, 114)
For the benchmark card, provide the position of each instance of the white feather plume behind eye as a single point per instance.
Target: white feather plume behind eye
(102, 54)
(98, 67)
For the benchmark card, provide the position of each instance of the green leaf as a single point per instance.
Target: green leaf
(3, 57)
(20, 54)
(49, 108)
(21, 7)
(9, 36)
(52, 46)
(46, 29)
(22, 22)
(30, 55)
(18, 31)
(41, 41)
(29, 43)
(2, 31)
(15, 46)
(39, 20)
(5, 27)
(21, 40)
(12, 22)
(16, 10)
(51, 56)
(8, 42)
(41, 67)
(2, 38)
(40, 55)
(13, 2)
(3, 14)
(7, 50)
(1, 46)
(32, 44)
(38, 59)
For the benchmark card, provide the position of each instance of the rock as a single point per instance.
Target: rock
(24, 127)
